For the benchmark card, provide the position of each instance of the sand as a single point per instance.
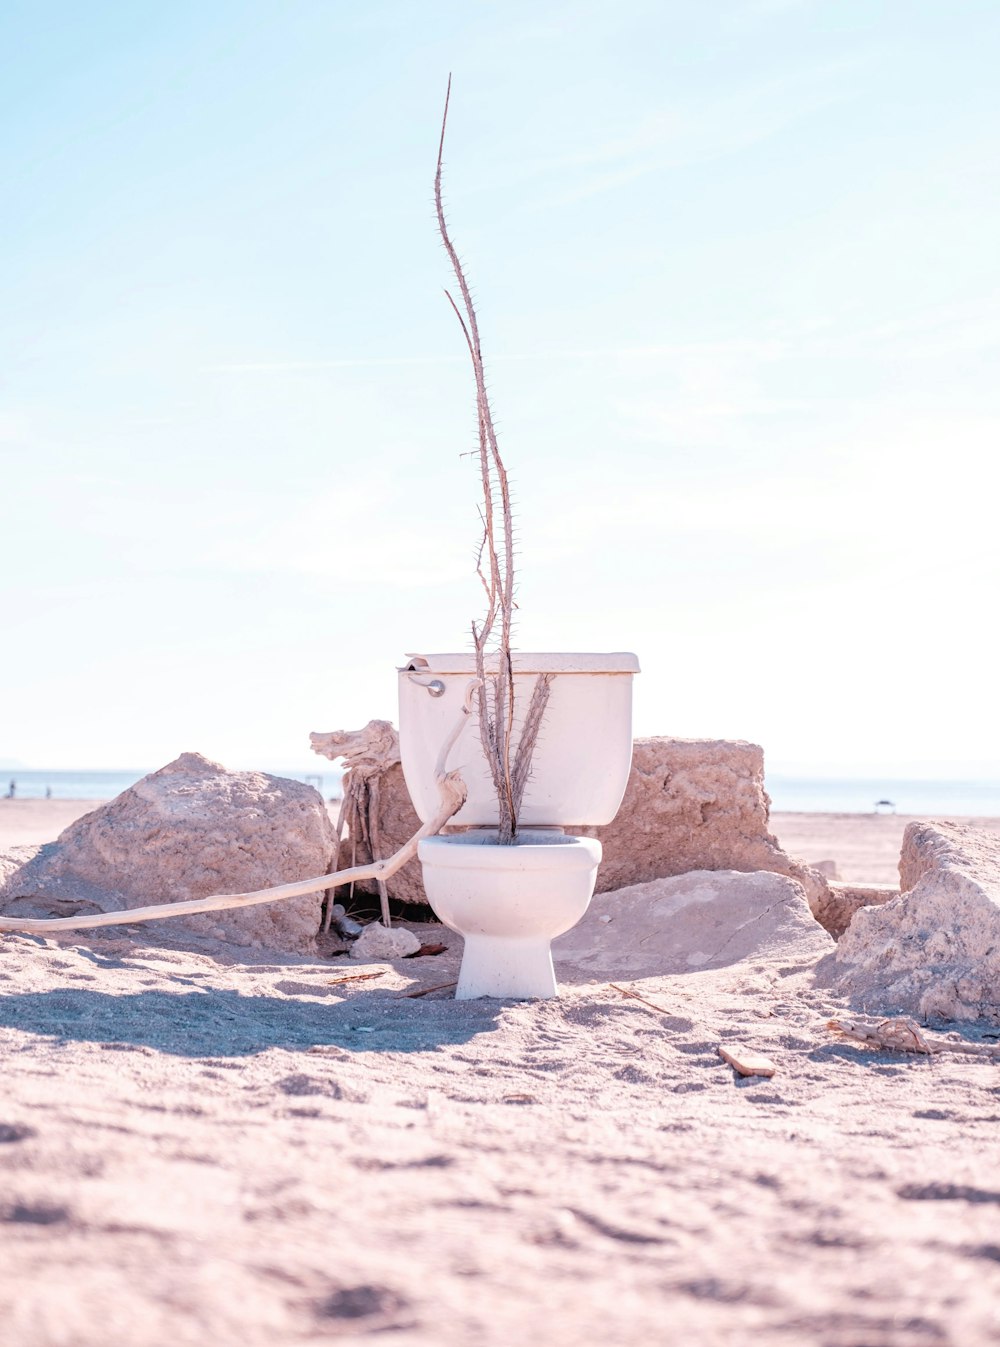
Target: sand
(26, 823)
(865, 847)
(197, 1148)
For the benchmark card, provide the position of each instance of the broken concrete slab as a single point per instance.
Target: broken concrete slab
(933, 952)
(692, 923)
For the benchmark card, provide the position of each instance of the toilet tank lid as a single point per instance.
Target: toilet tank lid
(620, 662)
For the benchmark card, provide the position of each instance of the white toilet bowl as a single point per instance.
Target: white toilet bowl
(510, 902)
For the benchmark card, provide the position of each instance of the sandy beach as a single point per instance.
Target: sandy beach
(201, 1143)
(864, 847)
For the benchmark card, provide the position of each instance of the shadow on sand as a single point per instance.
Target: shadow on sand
(221, 1023)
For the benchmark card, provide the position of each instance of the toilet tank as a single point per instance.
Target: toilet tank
(582, 756)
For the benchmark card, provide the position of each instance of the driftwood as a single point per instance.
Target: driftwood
(905, 1035)
(453, 794)
(367, 754)
(369, 751)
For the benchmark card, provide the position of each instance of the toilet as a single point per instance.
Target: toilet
(510, 902)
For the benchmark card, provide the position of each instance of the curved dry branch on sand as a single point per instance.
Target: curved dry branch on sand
(451, 788)
(453, 795)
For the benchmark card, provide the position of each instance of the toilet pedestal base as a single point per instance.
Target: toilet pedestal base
(506, 966)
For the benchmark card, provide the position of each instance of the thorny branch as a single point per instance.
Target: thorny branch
(496, 722)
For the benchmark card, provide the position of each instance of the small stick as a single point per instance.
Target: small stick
(636, 997)
(426, 991)
(354, 977)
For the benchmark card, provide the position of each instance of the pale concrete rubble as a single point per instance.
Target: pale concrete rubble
(836, 908)
(690, 804)
(379, 944)
(189, 830)
(696, 922)
(933, 952)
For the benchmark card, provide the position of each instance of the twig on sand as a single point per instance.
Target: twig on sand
(426, 991)
(905, 1035)
(636, 997)
(354, 977)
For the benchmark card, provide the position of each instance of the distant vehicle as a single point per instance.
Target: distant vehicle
(883, 806)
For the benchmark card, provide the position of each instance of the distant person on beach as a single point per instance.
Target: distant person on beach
(12, 790)
(48, 792)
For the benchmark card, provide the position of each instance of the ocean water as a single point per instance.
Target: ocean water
(939, 799)
(106, 785)
(795, 794)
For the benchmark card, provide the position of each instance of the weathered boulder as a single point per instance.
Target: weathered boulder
(694, 923)
(934, 951)
(690, 804)
(189, 830)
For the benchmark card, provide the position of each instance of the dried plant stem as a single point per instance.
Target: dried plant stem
(496, 690)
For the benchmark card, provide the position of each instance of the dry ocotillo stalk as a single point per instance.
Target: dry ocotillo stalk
(495, 568)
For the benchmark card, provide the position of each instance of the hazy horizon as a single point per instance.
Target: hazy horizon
(986, 774)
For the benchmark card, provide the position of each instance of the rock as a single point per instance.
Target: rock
(376, 944)
(836, 908)
(930, 847)
(189, 830)
(829, 869)
(692, 923)
(690, 804)
(933, 952)
(12, 860)
(694, 804)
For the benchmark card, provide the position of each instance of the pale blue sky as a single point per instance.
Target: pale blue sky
(737, 272)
